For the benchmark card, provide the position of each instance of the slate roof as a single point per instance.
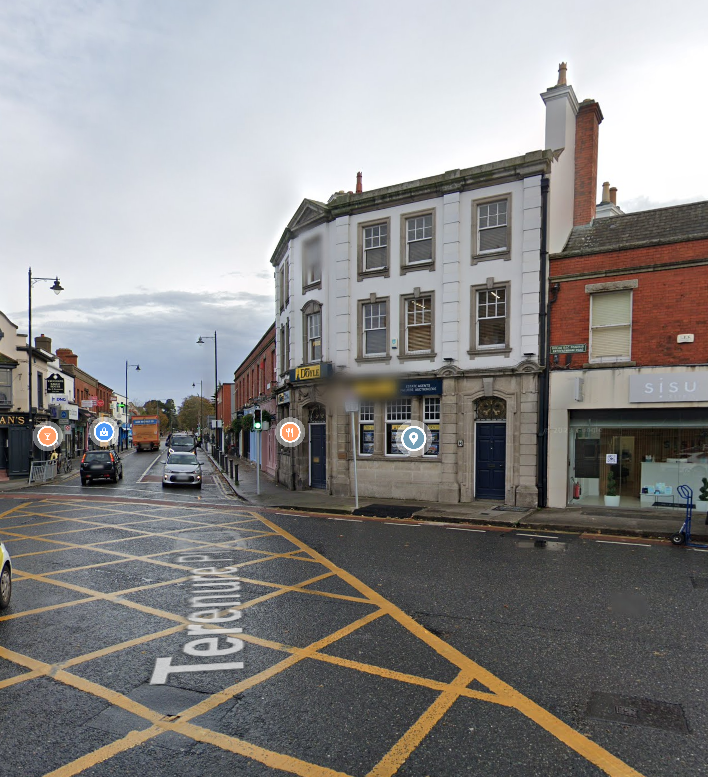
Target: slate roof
(636, 230)
(7, 360)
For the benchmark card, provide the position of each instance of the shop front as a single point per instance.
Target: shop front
(633, 456)
(15, 444)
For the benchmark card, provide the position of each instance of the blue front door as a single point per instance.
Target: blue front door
(318, 455)
(490, 461)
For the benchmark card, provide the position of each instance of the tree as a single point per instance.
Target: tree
(166, 411)
(188, 417)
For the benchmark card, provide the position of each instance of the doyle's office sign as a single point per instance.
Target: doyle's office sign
(669, 387)
(311, 372)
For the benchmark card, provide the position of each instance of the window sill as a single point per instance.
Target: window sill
(505, 255)
(409, 357)
(311, 286)
(416, 266)
(384, 272)
(395, 457)
(600, 365)
(489, 352)
(371, 359)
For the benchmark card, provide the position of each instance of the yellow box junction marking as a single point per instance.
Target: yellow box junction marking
(499, 692)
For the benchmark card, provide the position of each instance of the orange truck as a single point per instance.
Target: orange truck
(146, 432)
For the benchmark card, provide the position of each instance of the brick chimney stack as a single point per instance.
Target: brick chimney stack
(613, 195)
(359, 188)
(67, 356)
(587, 132)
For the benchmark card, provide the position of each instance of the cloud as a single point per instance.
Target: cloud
(159, 332)
(647, 203)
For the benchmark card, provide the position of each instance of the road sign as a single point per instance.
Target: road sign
(576, 348)
(100, 403)
(351, 406)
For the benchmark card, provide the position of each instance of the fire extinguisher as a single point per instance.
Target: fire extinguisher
(576, 490)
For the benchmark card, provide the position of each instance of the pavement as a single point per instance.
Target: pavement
(639, 523)
(659, 523)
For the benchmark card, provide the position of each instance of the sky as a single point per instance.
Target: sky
(151, 153)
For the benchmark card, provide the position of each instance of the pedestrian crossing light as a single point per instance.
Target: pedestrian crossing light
(257, 424)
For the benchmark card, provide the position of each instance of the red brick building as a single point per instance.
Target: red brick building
(629, 359)
(254, 383)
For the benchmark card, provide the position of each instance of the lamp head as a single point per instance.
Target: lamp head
(137, 368)
(200, 341)
(57, 288)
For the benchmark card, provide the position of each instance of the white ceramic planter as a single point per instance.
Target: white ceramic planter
(612, 501)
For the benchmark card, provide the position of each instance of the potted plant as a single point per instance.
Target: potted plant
(702, 500)
(611, 497)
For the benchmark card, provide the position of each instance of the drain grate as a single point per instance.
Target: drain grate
(540, 543)
(387, 511)
(700, 582)
(509, 509)
(634, 711)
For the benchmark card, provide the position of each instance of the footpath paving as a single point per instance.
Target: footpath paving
(661, 523)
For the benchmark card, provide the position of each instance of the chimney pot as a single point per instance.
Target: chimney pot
(562, 70)
(606, 191)
(613, 195)
(359, 188)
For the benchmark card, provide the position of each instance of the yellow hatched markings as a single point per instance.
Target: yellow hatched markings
(500, 693)
(14, 509)
(585, 747)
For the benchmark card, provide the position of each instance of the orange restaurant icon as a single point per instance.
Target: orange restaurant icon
(48, 435)
(290, 432)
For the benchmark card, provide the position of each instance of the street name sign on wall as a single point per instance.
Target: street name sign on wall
(669, 387)
(575, 348)
(55, 384)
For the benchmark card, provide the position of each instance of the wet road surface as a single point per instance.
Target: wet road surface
(367, 648)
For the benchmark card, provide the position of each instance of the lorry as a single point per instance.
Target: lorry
(146, 432)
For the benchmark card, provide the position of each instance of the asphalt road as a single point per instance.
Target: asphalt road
(368, 648)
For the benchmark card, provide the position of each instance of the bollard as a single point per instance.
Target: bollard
(235, 477)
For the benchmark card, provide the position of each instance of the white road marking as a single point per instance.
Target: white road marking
(614, 542)
(351, 520)
(292, 515)
(460, 528)
(538, 536)
(391, 523)
(700, 550)
(154, 461)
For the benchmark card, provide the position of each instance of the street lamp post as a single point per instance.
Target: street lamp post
(57, 288)
(127, 401)
(201, 389)
(200, 341)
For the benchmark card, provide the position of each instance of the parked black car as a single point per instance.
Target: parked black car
(101, 465)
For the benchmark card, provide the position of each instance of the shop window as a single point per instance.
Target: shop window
(5, 388)
(431, 417)
(611, 326)
(397, 411)
(366, 428)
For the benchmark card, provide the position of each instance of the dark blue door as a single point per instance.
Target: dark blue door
(491, 461)
(318, 455)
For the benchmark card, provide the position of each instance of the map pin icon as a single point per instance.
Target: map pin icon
(413, 436)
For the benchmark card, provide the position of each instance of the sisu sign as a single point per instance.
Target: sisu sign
(669, 387)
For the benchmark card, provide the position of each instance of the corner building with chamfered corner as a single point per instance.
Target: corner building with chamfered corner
(429, 297)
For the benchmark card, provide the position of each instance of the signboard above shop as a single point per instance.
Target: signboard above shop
(669, 387)
(407, 388)
(55, 384)
(311, 372)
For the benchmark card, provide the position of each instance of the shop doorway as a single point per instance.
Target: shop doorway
(3, 452)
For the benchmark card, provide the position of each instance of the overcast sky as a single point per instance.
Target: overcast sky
(152, 152)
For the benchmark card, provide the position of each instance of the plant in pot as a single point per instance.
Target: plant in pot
(702, 501)
(611, 496)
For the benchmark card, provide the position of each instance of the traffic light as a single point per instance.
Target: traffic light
(257, 419)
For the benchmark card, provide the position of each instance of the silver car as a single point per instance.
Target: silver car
(182, 469)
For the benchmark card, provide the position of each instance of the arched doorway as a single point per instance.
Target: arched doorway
(490, 448)
(317, 428)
